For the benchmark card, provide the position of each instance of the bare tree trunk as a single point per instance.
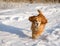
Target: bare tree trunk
(31, 1)
(47, 0)
(59, 1)
(38, 1)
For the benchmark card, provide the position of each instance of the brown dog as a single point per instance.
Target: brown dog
(38, 24)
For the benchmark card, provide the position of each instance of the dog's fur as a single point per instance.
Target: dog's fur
(38, 24)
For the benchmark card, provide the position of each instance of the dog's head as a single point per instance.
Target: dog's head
(39, 18)
(34, 19)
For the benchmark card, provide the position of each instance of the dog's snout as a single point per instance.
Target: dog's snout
(37, 24)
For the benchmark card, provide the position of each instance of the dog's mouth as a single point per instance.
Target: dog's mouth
(37, 24)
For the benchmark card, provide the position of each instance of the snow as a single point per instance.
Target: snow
(15, 26)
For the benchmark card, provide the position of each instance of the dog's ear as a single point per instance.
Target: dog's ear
(31, 18)
(38, 11)
(44, 20)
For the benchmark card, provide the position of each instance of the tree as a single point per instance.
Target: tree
(59, 1)
(31, 1)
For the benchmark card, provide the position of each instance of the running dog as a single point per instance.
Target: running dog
(38, 24)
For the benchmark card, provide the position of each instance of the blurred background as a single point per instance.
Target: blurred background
(8, 4)
(33, 1)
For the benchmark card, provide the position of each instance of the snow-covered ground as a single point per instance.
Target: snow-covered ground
(15, 26)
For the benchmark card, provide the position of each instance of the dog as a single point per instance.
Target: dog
(38, 24)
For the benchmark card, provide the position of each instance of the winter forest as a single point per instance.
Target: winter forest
(32, 1)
